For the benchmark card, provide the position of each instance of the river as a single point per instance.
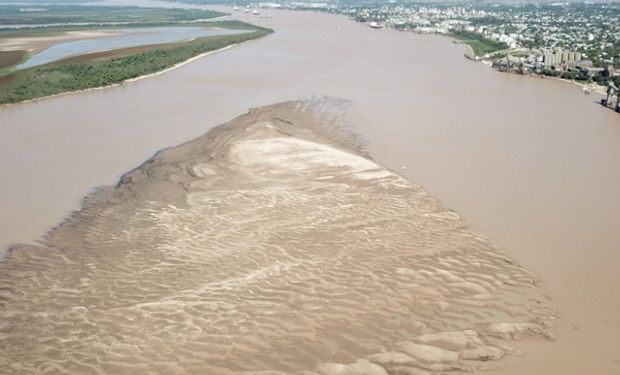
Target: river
(531, 162)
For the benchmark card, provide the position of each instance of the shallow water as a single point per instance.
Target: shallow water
(131, 37)
(531, 162)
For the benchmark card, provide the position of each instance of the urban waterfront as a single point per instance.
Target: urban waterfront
(578, 42)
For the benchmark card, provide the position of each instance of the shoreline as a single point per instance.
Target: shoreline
(470, 55)
(176, 66)
(596, 88)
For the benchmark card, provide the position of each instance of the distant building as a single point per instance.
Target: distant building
(558, 56)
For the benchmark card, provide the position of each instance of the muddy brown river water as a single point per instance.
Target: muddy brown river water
(531, 163)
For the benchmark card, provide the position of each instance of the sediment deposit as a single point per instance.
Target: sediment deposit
(272, 244)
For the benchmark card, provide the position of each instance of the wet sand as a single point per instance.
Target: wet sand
(530, 162)
(270, 244)
(35, 44)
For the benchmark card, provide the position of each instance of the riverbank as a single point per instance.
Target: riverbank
(179, 65)
(587, 87)
(592, 87)
(114, 67)
(478, 45)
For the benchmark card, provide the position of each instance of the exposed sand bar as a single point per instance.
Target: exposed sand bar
(531, 162)
(36, 44)
(268, 245)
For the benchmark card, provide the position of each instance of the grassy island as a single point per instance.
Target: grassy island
(114, 67)
(23, 23)
(49, 17)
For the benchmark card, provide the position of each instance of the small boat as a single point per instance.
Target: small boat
(255, 12)
(236, 8)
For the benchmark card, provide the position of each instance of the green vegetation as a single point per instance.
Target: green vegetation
(478, 43)
(113, 67)
(602, 79)
(55, 15)
(605, 56)
(103, 68)
(572, 74)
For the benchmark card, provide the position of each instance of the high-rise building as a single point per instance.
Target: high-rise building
(558, 56)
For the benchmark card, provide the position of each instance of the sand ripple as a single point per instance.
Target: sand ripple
(267, 246)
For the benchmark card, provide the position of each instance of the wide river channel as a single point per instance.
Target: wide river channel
(531, 162)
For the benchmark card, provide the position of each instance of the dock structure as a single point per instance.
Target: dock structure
(612, 92)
